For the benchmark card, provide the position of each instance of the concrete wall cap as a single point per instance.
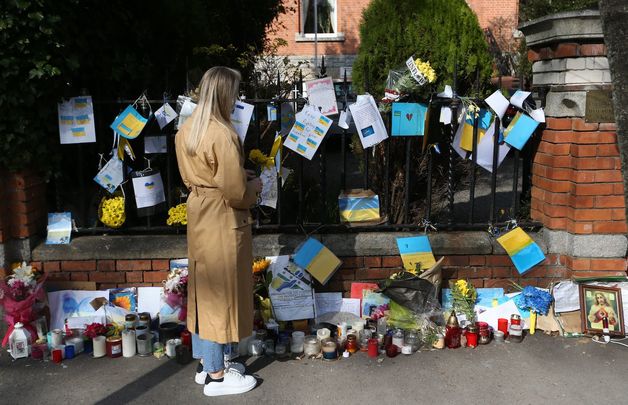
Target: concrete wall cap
(563, 27)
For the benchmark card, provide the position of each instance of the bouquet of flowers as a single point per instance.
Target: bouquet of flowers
(176, 290)
(410, 82)
(178, 215)
(95, 329)
(18, 295)
(111, 212)
(464, 297)
(260, 290)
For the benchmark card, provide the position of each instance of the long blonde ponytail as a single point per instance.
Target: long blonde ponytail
(218, 92)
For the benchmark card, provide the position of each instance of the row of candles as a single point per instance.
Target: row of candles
(481, 333)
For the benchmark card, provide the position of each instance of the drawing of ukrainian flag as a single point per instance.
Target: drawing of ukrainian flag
(358, 209)
(523, 251)
(319, 261)
(81, 102)
(416, 250)
(310, 142)
(324, 120)
(82, 119)
(129, 123)
(78, 132)
(301, 149)
(66, 119)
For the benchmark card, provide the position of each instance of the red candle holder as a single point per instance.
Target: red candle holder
(373, 348)
(452, 336)
(392, 350)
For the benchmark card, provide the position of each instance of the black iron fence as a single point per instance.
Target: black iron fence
(417, 186)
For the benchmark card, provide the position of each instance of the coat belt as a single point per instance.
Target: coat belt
(211, 192)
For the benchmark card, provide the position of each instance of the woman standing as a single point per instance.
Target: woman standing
(220, 286)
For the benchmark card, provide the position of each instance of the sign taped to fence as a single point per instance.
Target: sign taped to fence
(321, 93)
(111, 175)
(368, 121)
(165, 115)
(308, 131)
(76, 121)
(408, 119)
(241, 118)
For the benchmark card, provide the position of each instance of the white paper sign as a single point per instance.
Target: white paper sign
(308, 132)
(76, 121)
(149, 300)
(241, 118)
(415, 72)
(519, 97)
(149, 190)
(187, 108)
(290, 290)
(333, 303)
(321, 93)
(110, 176)
(538, 115)
(445, 115)
(155, 144)
(447, 93)
(368, 121)
(268, 196)
(485, 150)
(165, 115)
(345, 119)
(498, 103)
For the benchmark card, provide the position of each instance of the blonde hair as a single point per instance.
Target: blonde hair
(218, 92)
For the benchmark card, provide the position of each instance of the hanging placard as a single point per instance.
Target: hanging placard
(129, 123)
(111, 175)
(149, 192)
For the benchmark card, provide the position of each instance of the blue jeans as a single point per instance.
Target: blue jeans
(212, 353)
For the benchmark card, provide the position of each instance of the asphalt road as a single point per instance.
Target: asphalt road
(541, 369)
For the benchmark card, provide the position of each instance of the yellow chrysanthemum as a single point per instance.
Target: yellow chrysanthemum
(260, 159)
(112, 212)
(178, 215)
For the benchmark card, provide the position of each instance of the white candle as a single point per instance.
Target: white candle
(128, 343)
(99, 346)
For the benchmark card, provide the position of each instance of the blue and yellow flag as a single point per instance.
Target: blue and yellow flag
(129, 123)
(416, 253)
(319, 261)
(484, 122)
(523, 251)
(358, 205)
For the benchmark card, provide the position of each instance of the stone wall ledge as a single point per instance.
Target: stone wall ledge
(571, 25)
(351, 244)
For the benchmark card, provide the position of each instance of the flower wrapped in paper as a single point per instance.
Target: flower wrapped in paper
(19, 294)
(176, 290)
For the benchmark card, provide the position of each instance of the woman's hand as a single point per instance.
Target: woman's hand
(256, 184)
(250, 174)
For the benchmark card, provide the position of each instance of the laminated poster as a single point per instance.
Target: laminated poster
(317, 259)
(416, 251)
(523, 251)
(321, 94)
(129, 123)
(290, 290)
(241, 118)
(59, 228)
(520, 130)
(408, 119)
(110, 176)
(76, 121)
(155, 144)
(368, 121)
(67, 304)
(165, 115)
(148, 189)
(308, 131)
(125, 298)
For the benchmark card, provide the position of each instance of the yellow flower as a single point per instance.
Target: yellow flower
(426, 70)
(260, 159)
(260, 265)
(112, 212)
(462, 286)
(178, 215)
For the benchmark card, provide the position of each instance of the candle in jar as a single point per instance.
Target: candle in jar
(128, 343)
(114, 346)
(329, 350)
(311, 346)
(99, 346)
(323, 333)
(297, 342)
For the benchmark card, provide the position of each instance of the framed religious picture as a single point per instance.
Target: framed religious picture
(601, 306)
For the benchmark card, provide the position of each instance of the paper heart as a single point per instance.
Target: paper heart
(409, 117)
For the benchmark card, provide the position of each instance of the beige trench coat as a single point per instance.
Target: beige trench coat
(220, 286)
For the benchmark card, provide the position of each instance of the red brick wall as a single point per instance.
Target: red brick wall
(577, 178)
(349, 16)
(24, 205)
(481, 270)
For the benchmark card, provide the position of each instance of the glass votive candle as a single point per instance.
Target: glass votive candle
(365, 335)
(311, 346)
(256, 347)
(323, 334)
(329, 348)
(280, 349)
(298, 338)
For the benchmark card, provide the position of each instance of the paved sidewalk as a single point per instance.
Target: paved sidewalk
(542, 369)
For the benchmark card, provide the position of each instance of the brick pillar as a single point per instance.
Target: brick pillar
(23, 214)
(577, 181)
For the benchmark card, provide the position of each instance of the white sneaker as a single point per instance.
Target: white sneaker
(201, 375)
(233, 383)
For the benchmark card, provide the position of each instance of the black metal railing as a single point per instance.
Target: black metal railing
(441, 193)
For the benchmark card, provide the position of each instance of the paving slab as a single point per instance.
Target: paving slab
(541, 369)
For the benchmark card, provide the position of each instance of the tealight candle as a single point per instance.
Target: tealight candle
(323, 334)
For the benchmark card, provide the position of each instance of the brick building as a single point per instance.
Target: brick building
(339, 23)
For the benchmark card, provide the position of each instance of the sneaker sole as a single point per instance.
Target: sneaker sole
(199, 380)
(229, 391)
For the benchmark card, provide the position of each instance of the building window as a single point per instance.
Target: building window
(325, 19)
